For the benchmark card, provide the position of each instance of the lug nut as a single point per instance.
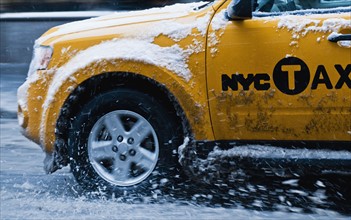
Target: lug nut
(130, 141)
(119, 138)
(114, 148)
(122, 157)
(132, 152)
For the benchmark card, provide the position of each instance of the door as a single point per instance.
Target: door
(280, 77)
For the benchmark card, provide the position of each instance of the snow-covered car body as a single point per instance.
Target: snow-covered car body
(274, 77)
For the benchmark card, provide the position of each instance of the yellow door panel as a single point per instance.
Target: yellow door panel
(280, 78)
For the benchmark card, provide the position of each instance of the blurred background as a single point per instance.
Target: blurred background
(23, 21)
(81, 5)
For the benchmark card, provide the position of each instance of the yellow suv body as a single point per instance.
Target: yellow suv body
(151, 79)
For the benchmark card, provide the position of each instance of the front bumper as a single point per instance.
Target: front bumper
(22, 112)
(30, 101)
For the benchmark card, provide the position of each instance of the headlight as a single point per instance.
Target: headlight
(41, 58)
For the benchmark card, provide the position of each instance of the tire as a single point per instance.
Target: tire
(123, 140)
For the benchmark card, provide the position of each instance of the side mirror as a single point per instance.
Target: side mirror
(240, 9)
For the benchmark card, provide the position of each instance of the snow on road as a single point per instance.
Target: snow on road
(28, 193)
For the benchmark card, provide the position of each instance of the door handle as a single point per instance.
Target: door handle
(339, 37)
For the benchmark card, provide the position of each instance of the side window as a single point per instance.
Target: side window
(292, 5)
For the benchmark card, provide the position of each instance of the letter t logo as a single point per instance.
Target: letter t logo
(291, 75)
(291, 69)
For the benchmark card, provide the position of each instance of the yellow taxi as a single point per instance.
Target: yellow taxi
(125, 97)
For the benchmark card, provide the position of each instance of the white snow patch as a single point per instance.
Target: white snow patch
(213, 51)
(164, 181)
(181, 149)
(320, 183)
(212, 39)
(25, 186)
(206, 166)
(257, 203)
(332, 25)
(259, 151)
(219, 21)
(202, 24)
(22, 91)
(333, 34)
(218, 24)
(195, 47)
(22, 95)
(296, 25)
(318, 197)
(292, 182)
(282, 198)
(49, 162)
(175, 30)
(299, 192)
(301, 27)
(172, 58)
(294, 43)
(65, 50)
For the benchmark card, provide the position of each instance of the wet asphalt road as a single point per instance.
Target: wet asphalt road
(22, 176)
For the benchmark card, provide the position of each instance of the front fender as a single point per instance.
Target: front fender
(190, 93)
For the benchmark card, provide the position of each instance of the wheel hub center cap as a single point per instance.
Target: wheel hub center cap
(123, 148)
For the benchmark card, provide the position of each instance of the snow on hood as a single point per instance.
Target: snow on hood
(123, 18)
(172, 58)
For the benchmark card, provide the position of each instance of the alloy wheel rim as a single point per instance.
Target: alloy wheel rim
(123, 148)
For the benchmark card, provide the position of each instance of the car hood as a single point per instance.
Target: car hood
(119, 19)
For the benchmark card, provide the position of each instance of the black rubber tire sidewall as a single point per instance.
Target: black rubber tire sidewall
(122, 99)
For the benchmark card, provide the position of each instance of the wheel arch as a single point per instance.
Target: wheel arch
(103, 83)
